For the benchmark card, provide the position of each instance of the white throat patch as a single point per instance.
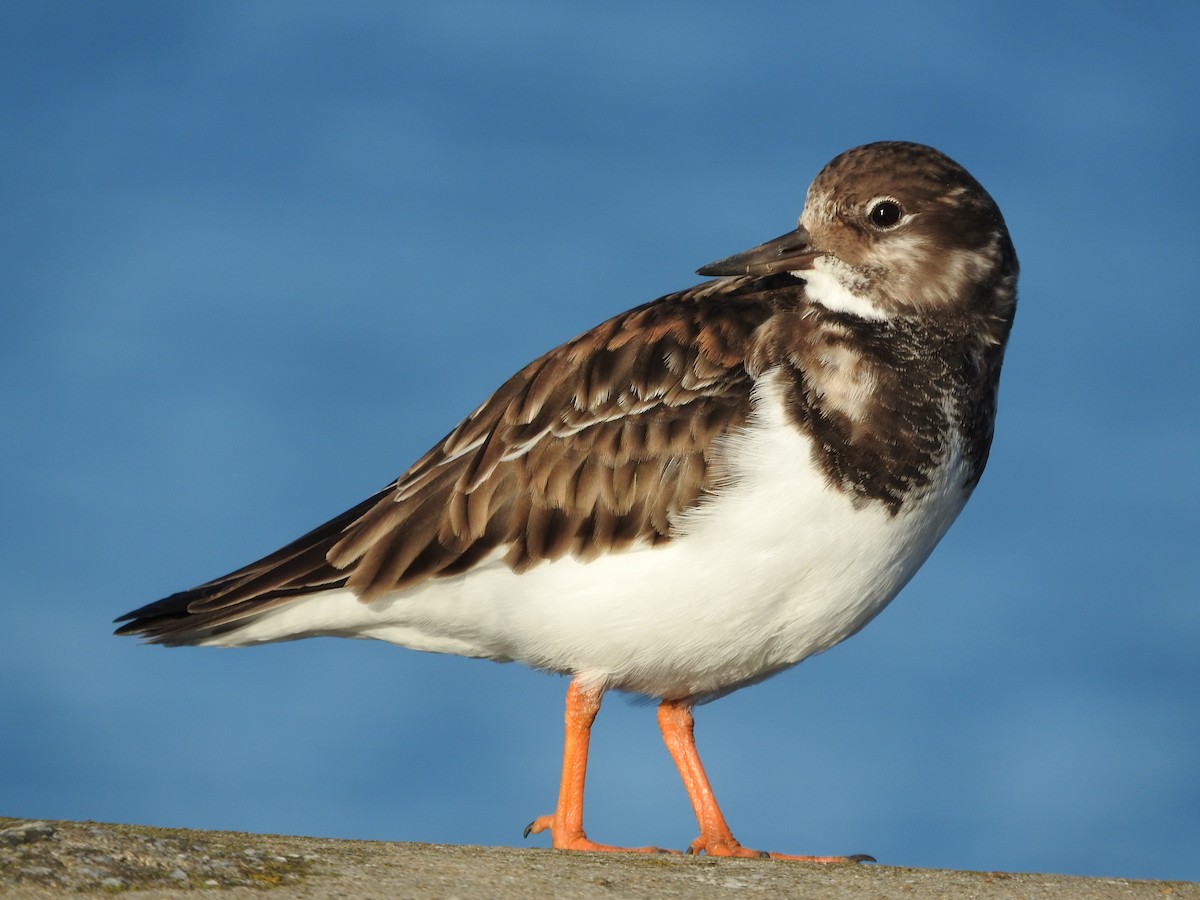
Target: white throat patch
(830, 283)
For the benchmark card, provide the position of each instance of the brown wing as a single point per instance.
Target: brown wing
(595, 446)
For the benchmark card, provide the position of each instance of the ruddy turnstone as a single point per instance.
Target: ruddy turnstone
(694, 495)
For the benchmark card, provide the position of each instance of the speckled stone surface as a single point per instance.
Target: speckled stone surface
(53, 859)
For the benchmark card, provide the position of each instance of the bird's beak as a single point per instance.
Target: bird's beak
(786, 253)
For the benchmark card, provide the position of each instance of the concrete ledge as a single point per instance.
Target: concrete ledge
(50, 859)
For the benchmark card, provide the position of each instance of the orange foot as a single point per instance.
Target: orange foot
(577, 840)
(675, 720)
(566, 825)
(722, 847)
(728, 845)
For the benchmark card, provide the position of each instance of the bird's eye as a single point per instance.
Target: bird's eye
(885, 213)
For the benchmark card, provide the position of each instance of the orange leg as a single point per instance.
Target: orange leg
(675, 720)
(566, 825)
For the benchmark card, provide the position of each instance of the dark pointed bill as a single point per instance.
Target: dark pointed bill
(786, 253)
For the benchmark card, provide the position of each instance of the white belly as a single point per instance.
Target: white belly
(770, 572)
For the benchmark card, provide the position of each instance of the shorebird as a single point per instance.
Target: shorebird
(697, 493)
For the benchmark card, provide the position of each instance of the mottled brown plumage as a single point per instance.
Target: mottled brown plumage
(603, 442)
(693, 495)
(596, 445)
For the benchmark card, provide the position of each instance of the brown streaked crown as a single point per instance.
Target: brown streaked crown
(948, 253)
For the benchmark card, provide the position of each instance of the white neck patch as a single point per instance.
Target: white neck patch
(830, 284)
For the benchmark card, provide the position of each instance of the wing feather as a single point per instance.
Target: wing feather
(597, 445)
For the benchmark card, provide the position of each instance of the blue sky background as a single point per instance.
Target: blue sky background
(258, 256)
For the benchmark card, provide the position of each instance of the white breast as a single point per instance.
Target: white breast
(774, 569)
